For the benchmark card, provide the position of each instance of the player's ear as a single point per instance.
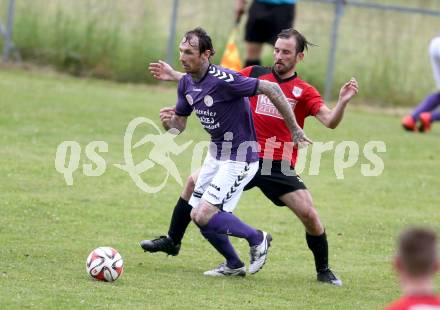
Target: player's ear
(299, 57)
(206, 54)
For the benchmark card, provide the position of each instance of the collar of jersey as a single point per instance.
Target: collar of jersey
(280, 80)
(206, 73)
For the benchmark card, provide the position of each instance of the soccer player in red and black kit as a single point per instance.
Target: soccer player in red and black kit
(283, 189)
(417, 262)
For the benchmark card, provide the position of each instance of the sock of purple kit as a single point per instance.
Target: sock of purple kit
(222, 244)
(228, 224)
(435, 116)
(429, 104)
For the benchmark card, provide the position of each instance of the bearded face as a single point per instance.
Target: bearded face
(285, 56)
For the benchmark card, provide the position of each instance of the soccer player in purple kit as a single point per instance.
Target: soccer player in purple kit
(427, 112)
(219, 98)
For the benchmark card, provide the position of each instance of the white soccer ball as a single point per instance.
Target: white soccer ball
(105, 264)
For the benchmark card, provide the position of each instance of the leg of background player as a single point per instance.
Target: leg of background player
(253, 54)
(300, 202)
(429, 104)
(435, 116)
(422, 112)
(426, 118)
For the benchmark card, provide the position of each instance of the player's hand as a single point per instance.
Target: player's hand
(162, 71)
(300, 139)
(166, 114)
(348, 90)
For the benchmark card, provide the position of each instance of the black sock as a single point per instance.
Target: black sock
(180, 220)
(319, 247)
(252, 62)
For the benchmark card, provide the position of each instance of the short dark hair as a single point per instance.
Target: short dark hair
(417, 251)
(301, 41)
(205, 42)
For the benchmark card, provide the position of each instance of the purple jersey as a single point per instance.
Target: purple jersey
(220, 100)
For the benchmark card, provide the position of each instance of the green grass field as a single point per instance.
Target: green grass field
(47, 228)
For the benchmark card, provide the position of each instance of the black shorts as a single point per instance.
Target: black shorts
(276, 184)
(265, 21)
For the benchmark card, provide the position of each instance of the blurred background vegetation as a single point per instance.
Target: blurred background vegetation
(115, 39)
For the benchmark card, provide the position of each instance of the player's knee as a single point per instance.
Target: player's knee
(194, 216)
(199, 216)
(312, 215)
(308, 213)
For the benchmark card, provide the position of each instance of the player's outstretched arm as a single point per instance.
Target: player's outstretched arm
(164, 72)
(275, 94)
(170, 120)
(332, 117)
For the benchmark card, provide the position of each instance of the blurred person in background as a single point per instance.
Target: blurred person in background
(416, 263)
(426, 112)
(266, 19)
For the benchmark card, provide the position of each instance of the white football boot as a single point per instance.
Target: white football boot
(258, 253)
(223, 271)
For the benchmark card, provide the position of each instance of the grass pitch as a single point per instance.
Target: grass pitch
(47, 228)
